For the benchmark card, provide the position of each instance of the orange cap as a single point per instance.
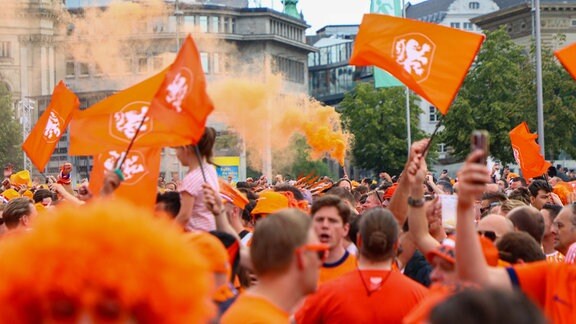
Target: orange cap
(270, 202)
(212, 249)
(390, 191)
(28, 194)
(447, 251)
(21, 178)
(232, 194)
(10, 194)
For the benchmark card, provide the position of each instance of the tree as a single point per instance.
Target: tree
(302, 164)
(377, 120)
(493, 97)
(10, 131)
(500, 92)
(559, 90)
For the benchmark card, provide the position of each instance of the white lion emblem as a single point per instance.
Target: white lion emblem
(412, 55)
(130, 168)
(177, 90)
(127, 122)
(52, 129)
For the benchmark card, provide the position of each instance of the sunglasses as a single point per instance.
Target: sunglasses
(491, 235)
(320, 249)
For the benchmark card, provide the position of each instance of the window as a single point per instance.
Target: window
(226, 25)
(158, 63)
(142, 65)
(433, 114)
(203, 22)
(573, 23)
(233, 25)
(128, 66)
(84, 69)
(188, 24)
(215, 24)
(98, 70)
(70, 67)
(455, 25)
(474, 5)
(468, 26)
(5, 49)
(205, 62)
(442, 148)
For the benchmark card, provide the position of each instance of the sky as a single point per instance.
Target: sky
(319, 13)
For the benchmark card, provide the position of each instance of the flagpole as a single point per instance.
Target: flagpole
(539, 94)
(408, 117)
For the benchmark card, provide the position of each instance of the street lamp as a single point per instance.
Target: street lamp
(25, 107)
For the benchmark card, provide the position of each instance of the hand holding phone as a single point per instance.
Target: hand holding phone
(480, 140)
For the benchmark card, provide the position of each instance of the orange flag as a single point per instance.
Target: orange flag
(45, 135)
(567, 56)
(141, 170)
(232, 194)
(181, 100)
(527, 152)
(430, 59)
(113, 122)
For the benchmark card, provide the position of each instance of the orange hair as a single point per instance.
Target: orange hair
(103, 256)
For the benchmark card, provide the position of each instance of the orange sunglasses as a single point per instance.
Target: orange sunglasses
(320, 249)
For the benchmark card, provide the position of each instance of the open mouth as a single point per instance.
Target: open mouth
(324, 238)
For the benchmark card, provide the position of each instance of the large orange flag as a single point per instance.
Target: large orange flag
(567, 56)
(181, 100)
(45, 135)
(527, 152)
(141, 170)
(430, 59)
(113, 122)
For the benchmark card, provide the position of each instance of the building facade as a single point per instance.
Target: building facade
(557, 21)
(255, 37)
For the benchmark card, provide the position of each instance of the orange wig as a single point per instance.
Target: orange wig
(108, 261)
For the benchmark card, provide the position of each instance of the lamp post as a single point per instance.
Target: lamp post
(25, 107)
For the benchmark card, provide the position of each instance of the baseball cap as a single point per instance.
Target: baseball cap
(270, 202)
(447, 251)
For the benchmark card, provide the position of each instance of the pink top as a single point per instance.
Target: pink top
(571, 254)
(201, 218)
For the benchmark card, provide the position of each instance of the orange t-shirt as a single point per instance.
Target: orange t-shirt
(330, 271)
(254, 310)
(367, 296)
(549, 285)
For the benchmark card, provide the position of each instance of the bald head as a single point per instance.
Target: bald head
(500, 225)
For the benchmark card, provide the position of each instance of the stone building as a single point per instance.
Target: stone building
(34, 55)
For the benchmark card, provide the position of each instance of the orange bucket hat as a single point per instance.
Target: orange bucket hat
(447, 251)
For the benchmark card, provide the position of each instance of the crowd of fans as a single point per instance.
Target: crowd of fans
(308, 250)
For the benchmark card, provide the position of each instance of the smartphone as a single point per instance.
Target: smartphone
(480, 140)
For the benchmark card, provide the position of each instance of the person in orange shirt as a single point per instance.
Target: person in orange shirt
(373, 293)
(330, 215)
(549, 285)
(286, 256)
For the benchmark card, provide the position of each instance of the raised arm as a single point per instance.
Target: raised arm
(398, 205)
(470, 262)
(417, 221)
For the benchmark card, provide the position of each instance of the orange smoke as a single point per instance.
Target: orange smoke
(106, 38)
(259, 111)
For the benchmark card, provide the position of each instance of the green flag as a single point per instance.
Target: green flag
(383, 79)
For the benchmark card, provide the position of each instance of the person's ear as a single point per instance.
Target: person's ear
(346, 229)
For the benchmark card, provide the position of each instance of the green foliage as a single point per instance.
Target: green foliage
(377, 120)
(302, 165)
(491, 98)
(500, 92)
(10, 132)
